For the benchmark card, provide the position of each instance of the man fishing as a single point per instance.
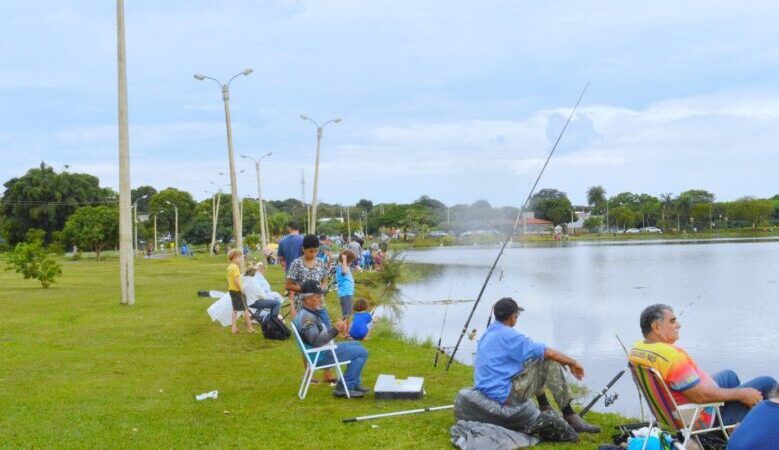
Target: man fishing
(510, 368)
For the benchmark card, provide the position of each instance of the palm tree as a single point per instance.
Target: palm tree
(596, 195)
(667, 200)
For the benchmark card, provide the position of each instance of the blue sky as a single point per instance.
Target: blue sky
(458, 100)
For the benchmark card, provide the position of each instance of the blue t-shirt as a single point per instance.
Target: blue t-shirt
(500, 356)
(345, 282)
(759, 429)
(360, 323)
(367, 259)
(290, 248)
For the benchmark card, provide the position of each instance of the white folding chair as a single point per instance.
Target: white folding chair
(311, 356)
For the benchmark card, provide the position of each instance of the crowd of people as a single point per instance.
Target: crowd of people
(509, 368)
(311, 270)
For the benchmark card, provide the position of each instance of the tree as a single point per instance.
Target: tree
(593, 223)
(94, 227)
(367, 205)
(143, 204)
(552, 205)
(32, 261)
(166, 219)
(596, 197)
(667, 203)
(751, 210)
(45, 199)
(623, 216)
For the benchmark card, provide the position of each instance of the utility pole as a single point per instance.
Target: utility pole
(155, 232)
(303, 195)
(315, 199)
(126, 267)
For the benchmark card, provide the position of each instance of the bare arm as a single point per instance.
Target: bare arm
(555, 355)
(709, 394)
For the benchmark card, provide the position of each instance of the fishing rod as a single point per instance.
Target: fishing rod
(438, 348)
(627, 356)
(514, 228)
(609, 398)
(398, 413)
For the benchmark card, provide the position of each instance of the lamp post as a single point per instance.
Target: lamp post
(237, 226)
(312, 219)
(263, 227)
(215, 216)
(135, 220)
(176, 214)
(155, 232)
(126, 256)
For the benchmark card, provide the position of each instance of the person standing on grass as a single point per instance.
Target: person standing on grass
(345, 280)
(307, 267)
(290, 246)
(234, 287)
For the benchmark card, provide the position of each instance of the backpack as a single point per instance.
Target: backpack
(274, 328)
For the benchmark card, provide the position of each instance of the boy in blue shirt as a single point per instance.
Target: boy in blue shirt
(362, 320)
(345, 280)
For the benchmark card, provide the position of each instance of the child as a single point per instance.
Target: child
(345, 280)
(362, 320)
(234, 287)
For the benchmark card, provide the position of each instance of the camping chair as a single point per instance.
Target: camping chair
(670, 415)
(311, 357)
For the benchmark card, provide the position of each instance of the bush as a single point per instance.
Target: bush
(391, 268)
(32, 261)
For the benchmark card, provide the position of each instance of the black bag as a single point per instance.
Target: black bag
(274, 328)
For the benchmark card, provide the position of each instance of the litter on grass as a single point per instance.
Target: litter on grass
(205, 395)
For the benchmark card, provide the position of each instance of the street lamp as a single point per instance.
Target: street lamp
(312, 219)
(215, 215)
(135, 208)
(237, 226)
(176, 213)
(257, 162)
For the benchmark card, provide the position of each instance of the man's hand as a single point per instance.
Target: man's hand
(750, 396)
(341, 325)
(577, 370)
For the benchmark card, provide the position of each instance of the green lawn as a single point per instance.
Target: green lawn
(78, 370)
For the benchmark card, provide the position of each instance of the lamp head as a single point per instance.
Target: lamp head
(337, 120)
(199, 76)
(247, 71)
(269, 153)
(244, 157)
(304, 117)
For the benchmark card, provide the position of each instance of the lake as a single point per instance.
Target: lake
(578, 296)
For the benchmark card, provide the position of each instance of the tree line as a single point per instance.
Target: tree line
(72, 209)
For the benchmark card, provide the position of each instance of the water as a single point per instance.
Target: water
(577, 297)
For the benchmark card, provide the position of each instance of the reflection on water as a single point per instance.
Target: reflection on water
(578, 297)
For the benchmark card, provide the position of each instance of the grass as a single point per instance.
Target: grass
(80, 371)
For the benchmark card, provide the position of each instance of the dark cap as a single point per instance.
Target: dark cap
(505, 307)
(311, 287)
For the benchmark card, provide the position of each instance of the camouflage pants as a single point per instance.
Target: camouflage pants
(535, 377)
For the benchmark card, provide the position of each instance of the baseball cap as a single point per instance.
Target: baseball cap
(310, 287)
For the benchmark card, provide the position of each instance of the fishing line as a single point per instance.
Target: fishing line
(514, 228)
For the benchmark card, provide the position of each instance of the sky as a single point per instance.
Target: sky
(458, 100)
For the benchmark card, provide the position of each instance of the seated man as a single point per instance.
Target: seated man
(688, 383)
(267, 292)
(314, 334)
(760, 428)
(510, 368)
(254, 296)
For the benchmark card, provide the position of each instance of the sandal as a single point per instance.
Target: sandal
(235, 331)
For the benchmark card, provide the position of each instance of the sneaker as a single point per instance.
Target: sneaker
(362, 389)
(580, 425)
(340, 393)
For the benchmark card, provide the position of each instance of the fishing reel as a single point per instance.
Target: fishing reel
(610, 398)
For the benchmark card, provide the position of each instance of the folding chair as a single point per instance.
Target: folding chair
(670, 415)
(311, 356)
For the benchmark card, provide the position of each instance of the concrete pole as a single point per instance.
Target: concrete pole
(348, 225)
(135, 227)
(314, 200)
(259, 203)
(126, 268)
(265, 223)
(237, 225)
(155, 232)
(215, 219)
(176, 213)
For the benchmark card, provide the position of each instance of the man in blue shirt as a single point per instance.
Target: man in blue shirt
(290, 246)
(510, 368)
(760, 428)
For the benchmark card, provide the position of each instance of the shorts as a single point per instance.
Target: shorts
(237, 299)
(346, 305)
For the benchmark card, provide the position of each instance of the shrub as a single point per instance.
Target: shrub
(32, 261)
(391, 268)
